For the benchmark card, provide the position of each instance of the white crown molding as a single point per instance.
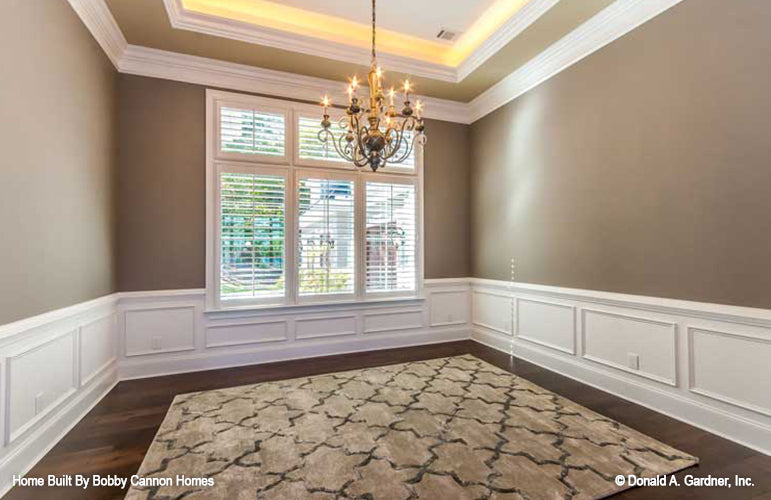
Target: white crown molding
(99, 21)
(613, 22)
(245, 32)
(214, 73)
(527, 15)
(610, 24)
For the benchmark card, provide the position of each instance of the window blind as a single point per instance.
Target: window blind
(391, 237)
(308, 143)
(326, 237)
(252, 230)
(252, 132)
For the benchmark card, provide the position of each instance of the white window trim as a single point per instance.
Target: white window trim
(293, 169)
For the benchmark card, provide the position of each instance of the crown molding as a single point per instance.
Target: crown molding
(99, 21)
(519, 22)
(260, 35)
(156, 63)
(613, 22)
(180, 18)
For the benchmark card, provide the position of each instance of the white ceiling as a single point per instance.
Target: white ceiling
(421, 18)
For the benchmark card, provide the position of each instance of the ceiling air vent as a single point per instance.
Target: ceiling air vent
(447, 35)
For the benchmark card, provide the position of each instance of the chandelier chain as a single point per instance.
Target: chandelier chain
(373, 32)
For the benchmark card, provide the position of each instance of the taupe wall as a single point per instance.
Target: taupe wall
(57, 107)
(161, 189)
(644, 169)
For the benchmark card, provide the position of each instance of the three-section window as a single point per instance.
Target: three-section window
(290, 222)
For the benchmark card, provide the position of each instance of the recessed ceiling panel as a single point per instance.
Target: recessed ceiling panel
(421, 18)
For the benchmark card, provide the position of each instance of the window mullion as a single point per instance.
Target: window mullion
(360, 195)
(291, 240)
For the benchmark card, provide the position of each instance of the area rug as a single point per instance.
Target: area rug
(450, 428)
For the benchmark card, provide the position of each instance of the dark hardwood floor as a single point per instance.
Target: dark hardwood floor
(114, 436)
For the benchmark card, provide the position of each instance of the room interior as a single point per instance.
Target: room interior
(353, 249)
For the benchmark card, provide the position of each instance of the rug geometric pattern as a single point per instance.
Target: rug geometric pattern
(450, 428)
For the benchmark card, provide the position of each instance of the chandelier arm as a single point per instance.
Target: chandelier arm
(407, 125)
(327, 136)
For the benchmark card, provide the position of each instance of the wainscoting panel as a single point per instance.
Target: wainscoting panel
(492, 310)
(38, 380)
(705, 364)
(392, 321)
(449, 308)
(98, 347)
(732, 368)
(547, 324)
(642, 346)
(159, 329)
(235, 334)
(325, 326)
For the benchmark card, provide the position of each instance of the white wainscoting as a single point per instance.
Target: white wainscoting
(704, 364)
(192, 339)
(55, 368)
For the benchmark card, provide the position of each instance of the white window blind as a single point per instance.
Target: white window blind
(326, 236)
(391, 236)
(252, 231)
(308, 143)
(252, 132)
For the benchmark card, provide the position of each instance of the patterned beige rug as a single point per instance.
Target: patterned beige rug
(449, 428)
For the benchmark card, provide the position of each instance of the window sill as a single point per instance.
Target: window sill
(343, 305)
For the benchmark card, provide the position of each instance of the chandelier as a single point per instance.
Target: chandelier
(378, 135)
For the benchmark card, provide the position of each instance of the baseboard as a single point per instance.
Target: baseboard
(745, 432)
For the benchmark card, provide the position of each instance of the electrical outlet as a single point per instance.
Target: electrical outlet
(634, 361)
(39, 403)
(156, 344)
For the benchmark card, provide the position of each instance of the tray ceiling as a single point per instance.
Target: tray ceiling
(499, 36)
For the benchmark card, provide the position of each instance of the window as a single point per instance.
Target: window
(326, 226)
(246, 133)
(252, 236)
(290, 222)
(391, 236)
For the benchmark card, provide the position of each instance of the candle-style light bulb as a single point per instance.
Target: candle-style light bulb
(349, 91)
(325, 103)
(354, 82)
(391, 95)
(419, 109)
(407, 87)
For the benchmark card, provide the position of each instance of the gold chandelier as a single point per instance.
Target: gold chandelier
(378, 135)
